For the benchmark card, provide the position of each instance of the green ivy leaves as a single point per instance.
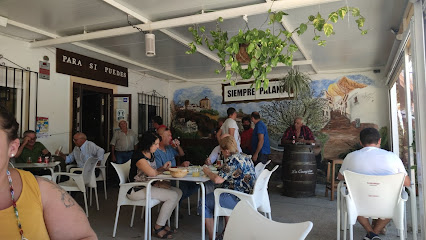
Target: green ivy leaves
(264, 49)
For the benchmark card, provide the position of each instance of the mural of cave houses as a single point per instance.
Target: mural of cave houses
(336, 109)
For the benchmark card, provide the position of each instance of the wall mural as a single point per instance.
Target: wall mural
(333, 110)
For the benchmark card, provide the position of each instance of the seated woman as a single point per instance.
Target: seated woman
(237, 174)
(30, 207)
(142, 166)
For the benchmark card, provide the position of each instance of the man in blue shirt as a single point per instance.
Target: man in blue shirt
(259, 140)
(167, 152)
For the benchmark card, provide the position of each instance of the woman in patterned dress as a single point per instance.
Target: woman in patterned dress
(237, 174)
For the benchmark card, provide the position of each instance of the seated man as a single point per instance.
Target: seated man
(30, 148)
(371, 160)
(216, 153)
(83, 150)
(167, 152)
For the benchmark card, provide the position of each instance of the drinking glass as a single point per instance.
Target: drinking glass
(196, 172)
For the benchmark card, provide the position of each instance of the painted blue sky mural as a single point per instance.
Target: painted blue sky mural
(195, 94)
(319, 86)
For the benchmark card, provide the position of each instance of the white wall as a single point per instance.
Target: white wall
(138, 83)
(55, 98)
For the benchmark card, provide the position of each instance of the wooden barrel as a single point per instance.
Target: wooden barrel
(299, 171)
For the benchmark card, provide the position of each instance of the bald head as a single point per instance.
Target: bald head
(79, 139)
(161, 130)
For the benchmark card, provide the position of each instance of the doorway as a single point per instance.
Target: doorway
(92, 113)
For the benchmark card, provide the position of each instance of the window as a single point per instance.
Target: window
(18, 93)
(149, 106)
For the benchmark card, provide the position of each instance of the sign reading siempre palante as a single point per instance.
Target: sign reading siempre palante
(81, 66)
(245, 92)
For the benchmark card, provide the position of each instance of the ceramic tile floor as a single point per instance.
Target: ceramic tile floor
(319, 209)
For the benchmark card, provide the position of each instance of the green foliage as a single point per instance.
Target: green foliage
(322, 138)
(384, 135)
(279, 115)
(177, 133)
(355, 147)
(265, 48)
(210, 111)
(296, 82)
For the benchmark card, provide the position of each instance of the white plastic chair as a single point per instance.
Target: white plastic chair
(260, 167)
(374, 197)
(48, 177)
(69, 167)
(102, 175)
(123, 173)
(246, 223)
(79, 181)
(259, 200)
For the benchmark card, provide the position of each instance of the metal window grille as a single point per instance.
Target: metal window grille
(19, 94)
(150, 105)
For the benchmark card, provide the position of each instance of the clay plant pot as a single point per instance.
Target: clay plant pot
(242, 56)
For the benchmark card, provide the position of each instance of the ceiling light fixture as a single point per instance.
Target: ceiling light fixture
(149, 40)
(150, 44)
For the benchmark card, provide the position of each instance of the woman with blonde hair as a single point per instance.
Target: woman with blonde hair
(237, 173)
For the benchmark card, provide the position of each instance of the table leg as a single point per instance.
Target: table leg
(333, 178)
(177, 209)
(51, 170)
(148, 209)
(203, 206)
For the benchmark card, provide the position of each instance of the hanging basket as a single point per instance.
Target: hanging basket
(242, 56)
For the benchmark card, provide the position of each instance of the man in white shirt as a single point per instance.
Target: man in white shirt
(230, 127)
(123, 142)
(371, 160)
(215, 154)
(83, 150)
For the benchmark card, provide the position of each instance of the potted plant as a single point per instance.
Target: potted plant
(295, 82)
(265, 49)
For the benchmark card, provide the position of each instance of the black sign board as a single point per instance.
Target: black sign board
(81, 66)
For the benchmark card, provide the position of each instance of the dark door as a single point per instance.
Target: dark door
(92, 113)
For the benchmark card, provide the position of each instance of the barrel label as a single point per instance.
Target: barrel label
(301, 171)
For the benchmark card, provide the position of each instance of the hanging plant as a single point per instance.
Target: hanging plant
(264, 49)
(295, 82)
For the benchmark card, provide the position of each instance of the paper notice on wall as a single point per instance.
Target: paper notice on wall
(42, 129)
(120, 114)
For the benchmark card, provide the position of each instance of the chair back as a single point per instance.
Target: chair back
(122, 170)
(374, 196)
(259, 167)
(106, 155)
(260, 191)
(246, 223)
(89, 171)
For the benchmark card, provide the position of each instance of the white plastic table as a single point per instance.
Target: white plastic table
(51, 165)
(189, 178)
